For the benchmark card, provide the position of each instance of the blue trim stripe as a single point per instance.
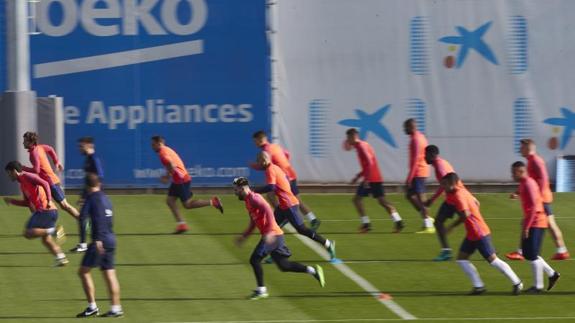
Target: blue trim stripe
(416, 109)
(419, 45)
(523, 124)
(318, 137)
(517, 48)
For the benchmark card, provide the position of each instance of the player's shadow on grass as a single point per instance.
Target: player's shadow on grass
(466, 293)
(180, 264)
(8, 253)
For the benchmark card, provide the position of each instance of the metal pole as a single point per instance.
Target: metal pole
(17, 45)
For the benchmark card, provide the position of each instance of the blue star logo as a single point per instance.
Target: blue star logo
(471, 40)
(366, 123)
(567, 122)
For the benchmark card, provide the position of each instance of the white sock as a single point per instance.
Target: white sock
(520, 251)
(365, 219)
(327, 243)
(310, 270)
(83, 245)
(310, 216)
(181, 222)
(395, 216)
(445, 249)
(546, 268)
(471, 272)
(92, 306)
(562, 249)
(428, 222)
(262, 289)
(51, 231)
(116, 308)
(504, 267)
(60, 255)
(537, 268)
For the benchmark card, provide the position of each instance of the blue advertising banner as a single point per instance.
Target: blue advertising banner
(196, 72)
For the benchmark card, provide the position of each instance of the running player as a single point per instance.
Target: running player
(478, 236)
(92, 165)
(418, 172)
(371, 182)
(98, 209)
(180, 184)
(537, 170)
(442, 167)
(288, 208)
(38, 198)
(281, 158)
(41, 166)
(272, 241)
(533, 227)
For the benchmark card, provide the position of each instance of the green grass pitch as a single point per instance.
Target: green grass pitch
(203, 276)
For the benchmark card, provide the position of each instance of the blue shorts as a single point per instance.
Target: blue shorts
(42, 219)
(484, 246)
(293, 186)
(181, 191)
(417, 186)
(57, 193)
(375, 189)
(548, 209)
(277, 248)
(532, 245)
(446, 211)
(290, 215)
(93, 259)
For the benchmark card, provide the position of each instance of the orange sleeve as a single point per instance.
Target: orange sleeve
(270, 176)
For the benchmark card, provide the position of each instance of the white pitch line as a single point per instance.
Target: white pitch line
(396, 320)
(491, 219)
(129, 57)
(362, 282)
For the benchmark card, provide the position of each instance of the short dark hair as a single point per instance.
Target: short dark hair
(159, 139)
(86, 140)
(450, 178)
(432, 150)
(14, 166)
(351, 131)
(410, 121)
(31, 137)
(259, 134)
(91, 180)
(518, 164)
(527, 141)
(241, 181)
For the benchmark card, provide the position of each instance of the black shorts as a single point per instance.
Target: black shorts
(375, 189)
(484, 246)
(181, 191)
(532, 245)
(57, 193)
(417, 186)
(42, 219)
(277, 248)
(93, 259)
(446, 211)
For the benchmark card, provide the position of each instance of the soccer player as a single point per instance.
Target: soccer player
(418, 172)
(98, 209)
(272, 241)
(180, 184)
(288, 207)
(478, 236)
(92, 165)
(371, 182)
(281, 158)
(38, 198)
(533, 227)
(537, 170)
(442, 167)
(41, 166)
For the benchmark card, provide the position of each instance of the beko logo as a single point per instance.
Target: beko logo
(102, 18)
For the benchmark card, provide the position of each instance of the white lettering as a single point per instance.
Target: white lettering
(136, 115)
(134, 12)
(96, 112)
(89, 14)
(71, 115)
(69, 17)
(245, 112)
(117, 116)
(197, 19)
(207, 113)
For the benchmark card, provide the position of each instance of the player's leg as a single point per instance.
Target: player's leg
(306, 211)
(446, 211)
(89, 291)
(486, 249)
(259, 253)
(531, 248)
(42, 225)
(556, 234)
(465, 251)
(107, 265)
(417, 198)
(377, 191)
(186, 196)
(281, 254)
(172, 202)
(361, 192)
(60, 198)
(83, 226)
(292, 214)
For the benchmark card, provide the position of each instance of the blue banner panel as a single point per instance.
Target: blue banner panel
(193, 71)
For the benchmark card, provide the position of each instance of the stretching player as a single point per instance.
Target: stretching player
(537, 170)
(180, 186)
(372, 182)
(41, 166)
(281, 158)
(101, 251)
(418, 172)
(288, 208)
(272, 241)
(533, 227)
(92, 165)
(478, 236)
(38, 198)
(442, 167)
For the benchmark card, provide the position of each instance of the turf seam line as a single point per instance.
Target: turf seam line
(360, 281)
(394, 320)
